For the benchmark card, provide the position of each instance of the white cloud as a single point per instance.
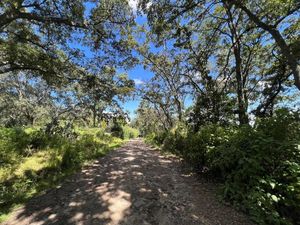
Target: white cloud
(149, 5)
(138, 82)
(133, 4)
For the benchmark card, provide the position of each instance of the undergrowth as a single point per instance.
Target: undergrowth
(32, 161)
(259, 165)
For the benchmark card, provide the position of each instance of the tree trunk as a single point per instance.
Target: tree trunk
(179, 110)
(236, 42)
(242, 110)
(94, 115)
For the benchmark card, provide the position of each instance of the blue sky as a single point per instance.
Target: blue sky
(140, 76)
(137, 73)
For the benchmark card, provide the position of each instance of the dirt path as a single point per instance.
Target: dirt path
(133, 185)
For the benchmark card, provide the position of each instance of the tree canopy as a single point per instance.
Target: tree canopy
(223, 91)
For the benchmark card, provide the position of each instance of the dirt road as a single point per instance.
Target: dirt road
(134, 185)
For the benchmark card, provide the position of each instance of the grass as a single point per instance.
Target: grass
(27, 172)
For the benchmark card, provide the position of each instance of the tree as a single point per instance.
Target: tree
(38, 36)
(150, 119)
(278, 18)
(96, 92)
(24, 101)
(221, 44)
(166, 88)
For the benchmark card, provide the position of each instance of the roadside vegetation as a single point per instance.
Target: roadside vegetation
(222, 92)
(258, 166)
(225, 98)
(59, 107)
(33, 161)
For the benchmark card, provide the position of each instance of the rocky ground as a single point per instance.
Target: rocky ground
(134, 185)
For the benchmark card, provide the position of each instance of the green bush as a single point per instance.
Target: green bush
(38, 139)
(85, 148)
(201, 146)
(100, 133)
(89, 147)
(14, 139)
(32, 161)
(174, 141)
(197, 148)
(22, 142)
(129, 132)
(259, 165)
(117, 130)
(71, 157)
(14, 143)
(261, 169)
(157, 138)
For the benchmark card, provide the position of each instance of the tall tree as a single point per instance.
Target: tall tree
(222, 44)
(24, 101)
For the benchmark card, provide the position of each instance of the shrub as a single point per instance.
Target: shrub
(13, 142)
(38, 139)
(117, 130)
(259, 166)
(100, 133)
(70, 158)
(130, 132)
(197, 148)
(174, 141)
(88, 147)
(157, 138)
(32, 161)
(83, 149)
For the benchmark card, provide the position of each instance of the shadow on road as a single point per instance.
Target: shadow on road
(131, 185)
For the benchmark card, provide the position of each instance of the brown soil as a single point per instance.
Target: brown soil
(134, 185)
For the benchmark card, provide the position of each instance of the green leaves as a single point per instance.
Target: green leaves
(274, 198)
(259, 166)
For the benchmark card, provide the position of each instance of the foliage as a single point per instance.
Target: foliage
(231, 61)
(156, 138)
(39, 36)
(259, 165)
(95, 97)
(218, 59)
(117, 130)
(33, 161)
(24, 100)
(150, 120)
(130, 132)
